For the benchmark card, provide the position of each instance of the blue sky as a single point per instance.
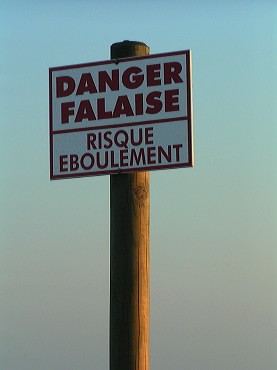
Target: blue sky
(213, 227)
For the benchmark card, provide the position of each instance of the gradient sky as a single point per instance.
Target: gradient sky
(213, 227)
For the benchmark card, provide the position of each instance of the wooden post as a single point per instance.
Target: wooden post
(129, 256)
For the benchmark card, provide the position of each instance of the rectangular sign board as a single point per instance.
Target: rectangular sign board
(124, 115)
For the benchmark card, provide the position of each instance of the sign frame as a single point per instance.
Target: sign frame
(186, 120)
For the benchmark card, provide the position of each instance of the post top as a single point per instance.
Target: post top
(128, 48)
(128, 42)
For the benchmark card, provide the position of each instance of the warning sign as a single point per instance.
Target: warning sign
(121, 115)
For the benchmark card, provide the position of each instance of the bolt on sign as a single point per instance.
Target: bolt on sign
(123, 115)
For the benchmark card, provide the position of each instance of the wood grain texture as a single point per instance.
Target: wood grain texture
(129, 260)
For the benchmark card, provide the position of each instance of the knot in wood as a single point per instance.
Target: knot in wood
(140, 194)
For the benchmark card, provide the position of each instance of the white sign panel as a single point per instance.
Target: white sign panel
(126, 115)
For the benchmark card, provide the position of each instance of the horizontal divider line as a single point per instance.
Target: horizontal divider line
(186, 118)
